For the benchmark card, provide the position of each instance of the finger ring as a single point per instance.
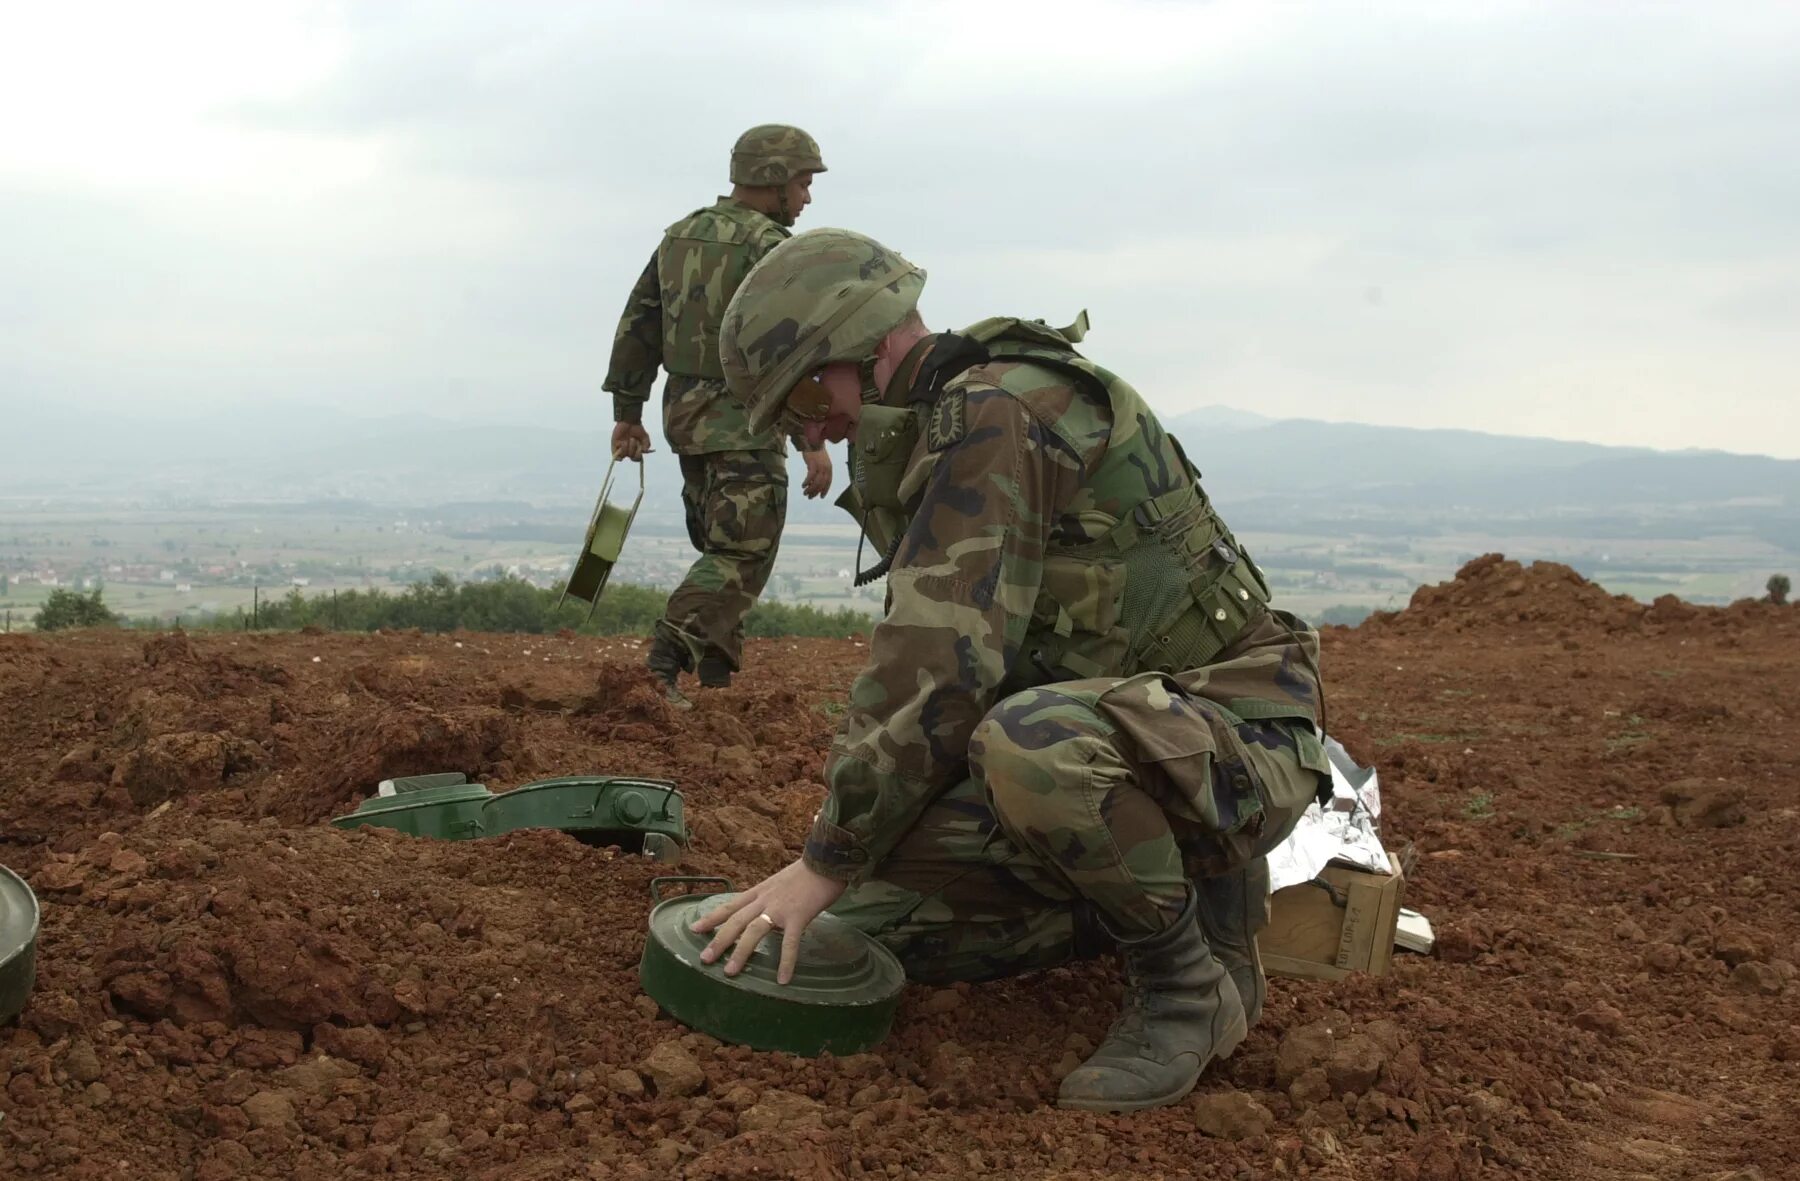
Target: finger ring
(764, 916)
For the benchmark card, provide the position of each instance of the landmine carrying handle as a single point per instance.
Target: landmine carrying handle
(607, 783)
(587, 559)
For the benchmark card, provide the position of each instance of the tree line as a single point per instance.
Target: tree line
(441, 604)
(510, 604)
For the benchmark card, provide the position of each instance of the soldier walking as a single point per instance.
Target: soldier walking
(734, 477)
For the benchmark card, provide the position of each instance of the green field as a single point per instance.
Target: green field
(186, 561)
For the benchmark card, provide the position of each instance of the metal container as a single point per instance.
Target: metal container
(18, 943)
(842, 999)
(638, 815)
(601, 546)
(451, 812)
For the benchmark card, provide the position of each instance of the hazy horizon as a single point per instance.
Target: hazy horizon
(1571, 223)
(126, 425)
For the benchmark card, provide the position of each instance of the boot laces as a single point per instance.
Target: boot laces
(1128, 1026)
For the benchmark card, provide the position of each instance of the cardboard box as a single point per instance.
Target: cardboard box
(1340, 922)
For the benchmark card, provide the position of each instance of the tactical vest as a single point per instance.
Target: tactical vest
(700, 263)
(1164, 587)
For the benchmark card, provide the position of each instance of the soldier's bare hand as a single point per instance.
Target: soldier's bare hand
(630, 441)
(818, 473)
(786, 902)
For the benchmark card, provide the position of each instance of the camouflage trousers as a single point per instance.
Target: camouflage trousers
(736, 505)
(1059, 824)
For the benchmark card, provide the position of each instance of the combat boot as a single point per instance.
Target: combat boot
(715, 672)
(1180, 1012)
(668, 661)
(1233, 908)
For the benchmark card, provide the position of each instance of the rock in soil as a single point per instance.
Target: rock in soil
(1232, 1115)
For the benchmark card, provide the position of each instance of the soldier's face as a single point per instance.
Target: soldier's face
(828, 403)
(799, 195)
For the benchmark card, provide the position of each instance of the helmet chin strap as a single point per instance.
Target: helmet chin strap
(865, 373)
(940, 356)
(872, 392)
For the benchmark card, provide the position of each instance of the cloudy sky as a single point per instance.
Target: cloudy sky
(1573, 220)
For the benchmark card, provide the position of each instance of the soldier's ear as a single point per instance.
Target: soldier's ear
(893, 347)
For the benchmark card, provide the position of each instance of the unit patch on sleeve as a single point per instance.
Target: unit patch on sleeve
(947, 421)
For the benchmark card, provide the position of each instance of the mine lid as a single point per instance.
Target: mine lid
(838, 965)
(411, 783)
(18, 916)
(425, 797)
(18, 943)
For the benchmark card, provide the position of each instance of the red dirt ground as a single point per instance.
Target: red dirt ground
(1597, 798)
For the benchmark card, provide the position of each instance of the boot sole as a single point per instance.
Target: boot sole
(1241, 1031)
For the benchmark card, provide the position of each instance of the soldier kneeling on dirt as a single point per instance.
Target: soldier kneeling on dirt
(1082, 726)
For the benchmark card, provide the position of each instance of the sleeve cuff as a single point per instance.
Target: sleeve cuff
(833, 852)
(628, 409)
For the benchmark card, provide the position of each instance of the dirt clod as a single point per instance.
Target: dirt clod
(671, 1069)
(780, 1110)
(1307, 1048)
(1700, 803)
(362, 1044)
(1310, 1088)
(271, 1109)
(1355, 1063)
(944, 1000)
(318, 1076)
(1602, 1018)
(1757, 978)
(741, 833)
(82, 1063)
(1232, 1115)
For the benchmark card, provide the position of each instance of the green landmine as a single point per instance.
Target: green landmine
(842, 999)
(18, 943)
(637, 815)
(445, 806)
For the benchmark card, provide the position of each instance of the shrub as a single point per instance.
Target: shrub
(65, 608)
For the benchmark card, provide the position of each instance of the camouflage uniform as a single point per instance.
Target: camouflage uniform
(1066, 604)
(734, 479)
(1079, 700)
(1123, 781)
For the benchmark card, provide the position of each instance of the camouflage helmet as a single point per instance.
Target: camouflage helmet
(822, 296)
(773, 154)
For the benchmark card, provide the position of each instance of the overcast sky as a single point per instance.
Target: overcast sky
(1573, 220)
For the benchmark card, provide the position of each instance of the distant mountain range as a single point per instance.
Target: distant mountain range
(1268, 471)
(1466, 469)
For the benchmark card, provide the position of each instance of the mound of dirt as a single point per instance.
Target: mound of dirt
(1493, 591)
